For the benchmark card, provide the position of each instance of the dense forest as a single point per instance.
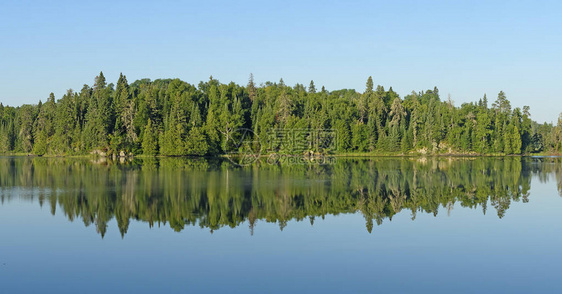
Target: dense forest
(173, 118)
(209, 193)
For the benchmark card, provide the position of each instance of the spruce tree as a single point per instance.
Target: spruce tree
(150, 139)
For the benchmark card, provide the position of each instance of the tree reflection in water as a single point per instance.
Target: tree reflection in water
(214, 194)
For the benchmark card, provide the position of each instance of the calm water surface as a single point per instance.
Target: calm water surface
(444, 225)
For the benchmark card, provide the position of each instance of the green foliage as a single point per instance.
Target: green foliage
(150, 139)
(360, 137)
(343, 136)
(196, 143)
(173, 118)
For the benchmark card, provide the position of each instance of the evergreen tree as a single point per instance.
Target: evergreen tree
(150, 139)
(515, 140)
(67, 124)
(343, 136)
(252, 92)
(24, 124)
(196, 143)
(483, 131)
(44, 126)
(311, 88)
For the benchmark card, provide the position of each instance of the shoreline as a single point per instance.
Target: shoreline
(342, 155)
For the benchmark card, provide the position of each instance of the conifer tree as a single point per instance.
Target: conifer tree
(311, 88)
(150, 139)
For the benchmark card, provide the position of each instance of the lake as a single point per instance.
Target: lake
(354, 225)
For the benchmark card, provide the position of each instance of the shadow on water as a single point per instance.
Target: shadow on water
(214, 194)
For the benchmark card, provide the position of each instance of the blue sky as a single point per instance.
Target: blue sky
(465, 48)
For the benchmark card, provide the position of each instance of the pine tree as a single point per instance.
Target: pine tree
(343, 136)
(284, 108)
(397, 115)
(252, 92)
(483, 131)
(124, 112)
(66, 124)
(24, 124)
(515, 141)
(196, 143)
(369, 85)
(526, 131)
(99, 116)
(360, 137)
(5, 145)
(212, 123)
(407, 142)
(44, 126)
(508, 144)
(150, 139)
(365, 100)
(311, 88)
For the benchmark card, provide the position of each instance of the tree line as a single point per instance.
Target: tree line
(170, 117)
(183, 192)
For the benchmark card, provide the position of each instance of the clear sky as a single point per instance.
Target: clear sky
(465, 48)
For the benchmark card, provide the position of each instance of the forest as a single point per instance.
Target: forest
(169, 117)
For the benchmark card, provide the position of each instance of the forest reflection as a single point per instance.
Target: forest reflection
(214, 194)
